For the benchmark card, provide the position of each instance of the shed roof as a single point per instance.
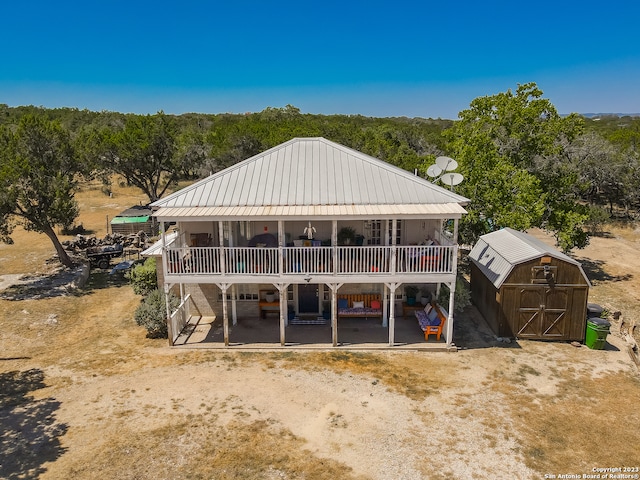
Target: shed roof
(307, 177)
(497, 253)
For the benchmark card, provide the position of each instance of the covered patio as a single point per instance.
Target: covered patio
(264, 333)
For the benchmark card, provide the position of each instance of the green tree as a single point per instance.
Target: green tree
(38, 175)
(145, 151)
(510, 147)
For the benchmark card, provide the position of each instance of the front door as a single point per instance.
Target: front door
(308, 298)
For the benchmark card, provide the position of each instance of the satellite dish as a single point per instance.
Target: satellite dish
(446, 164)
(451, 179)
(434, 170)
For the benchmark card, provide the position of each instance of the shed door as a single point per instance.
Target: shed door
(541, 312)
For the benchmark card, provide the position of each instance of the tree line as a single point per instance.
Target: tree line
(524, 164)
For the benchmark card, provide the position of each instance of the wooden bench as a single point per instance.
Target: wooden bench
(366, 311)
(427, 325)
(266, 306)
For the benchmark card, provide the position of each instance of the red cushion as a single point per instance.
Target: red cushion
(375, 304)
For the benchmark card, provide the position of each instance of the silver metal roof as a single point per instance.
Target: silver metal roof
(311, 177)
(156, 249)
(497, 253)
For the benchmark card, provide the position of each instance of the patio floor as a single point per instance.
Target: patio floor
(264, 333)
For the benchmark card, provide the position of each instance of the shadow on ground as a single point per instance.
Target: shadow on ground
(30, 433)
(594, 269)
(64, 282)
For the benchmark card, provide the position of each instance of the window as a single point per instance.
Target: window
(375, 237)
(243, 292)
(242, 232)
(375, 229)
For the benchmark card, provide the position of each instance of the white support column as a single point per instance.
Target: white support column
(167, 306)
(234, 310)
(392, 313)
(165, 267)
(334, 311)
(455, 231)
(225, 316)
(284, 319)
(449, 329)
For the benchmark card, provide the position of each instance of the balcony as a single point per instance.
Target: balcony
(291, 262)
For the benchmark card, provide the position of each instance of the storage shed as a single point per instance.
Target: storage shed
(526, 289)
(136, 219)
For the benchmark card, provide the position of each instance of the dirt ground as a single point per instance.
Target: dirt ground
(84, 393)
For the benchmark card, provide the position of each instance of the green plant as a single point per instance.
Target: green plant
(411, 291)
(346, 236)
(152, 313)
(461, 297)
(143, 277)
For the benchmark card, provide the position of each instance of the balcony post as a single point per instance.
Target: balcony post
(334, 245)
(223, 268)
(281, 245)
(394, 248)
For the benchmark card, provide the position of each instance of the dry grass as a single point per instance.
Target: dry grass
(196, 447)
(397, 371)
(589, 421)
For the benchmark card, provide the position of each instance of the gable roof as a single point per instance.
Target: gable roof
(497, 253)
(309, 177)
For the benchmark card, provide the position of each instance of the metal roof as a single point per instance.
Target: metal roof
(497, 253)
(156, 248)
(311, 176)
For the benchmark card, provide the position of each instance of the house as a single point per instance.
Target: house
(310, 222)
(526, 289)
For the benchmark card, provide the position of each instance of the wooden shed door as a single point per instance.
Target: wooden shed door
(541, 312)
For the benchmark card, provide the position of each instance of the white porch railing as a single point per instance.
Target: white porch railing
(179, 318)
(349, 260)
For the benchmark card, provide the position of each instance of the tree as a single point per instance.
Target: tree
(510, 148)
(145, 152)
(38, 174)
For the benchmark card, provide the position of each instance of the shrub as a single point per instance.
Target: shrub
(152, 313)
(144, 278)
(461, 297)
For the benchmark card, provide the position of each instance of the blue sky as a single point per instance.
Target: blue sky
(400, 58)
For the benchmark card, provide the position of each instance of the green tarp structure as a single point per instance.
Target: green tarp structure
(121, 220)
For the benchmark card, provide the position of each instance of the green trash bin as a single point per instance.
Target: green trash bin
(597, 331)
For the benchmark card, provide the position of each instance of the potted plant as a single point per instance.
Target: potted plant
(270, 297)
(346, 236)
(425, 296)
(411, 291)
